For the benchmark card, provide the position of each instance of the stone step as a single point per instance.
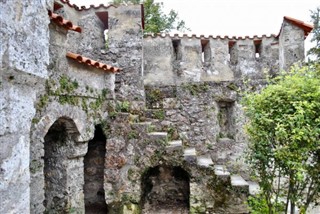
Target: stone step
(238, 182)
(142, 127)
(254, 187)
(160, 125)
(204, 161)
(158, 114)
(221, 172)
(163, 136)
(134, 118)
(174, 145)
(190, 154)
(225, 141)
(123, 117)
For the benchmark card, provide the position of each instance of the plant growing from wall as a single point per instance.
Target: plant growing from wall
(154, 96)
(284, 133)
(159, 114)
(64, 89)
(123, 106)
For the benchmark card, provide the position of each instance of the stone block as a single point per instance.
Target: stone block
(190, 154)
(174, 146)
(204, 162)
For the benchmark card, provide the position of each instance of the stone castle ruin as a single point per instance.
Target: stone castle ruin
(97, 117)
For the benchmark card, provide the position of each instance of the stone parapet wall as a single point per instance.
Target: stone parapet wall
(170, 60)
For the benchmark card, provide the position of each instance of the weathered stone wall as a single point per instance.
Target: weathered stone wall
(206, 116)
(136, 148)
(125, 48)
(291, 45)
(175, 104)
(82, 94)
(197, 82)
(24, 56)
(170, 60)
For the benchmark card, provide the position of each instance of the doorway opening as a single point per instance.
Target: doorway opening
(94, 195)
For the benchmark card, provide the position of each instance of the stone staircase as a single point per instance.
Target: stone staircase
(190, 155)
(154, 131)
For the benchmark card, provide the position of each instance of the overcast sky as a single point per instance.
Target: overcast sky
(233, 17)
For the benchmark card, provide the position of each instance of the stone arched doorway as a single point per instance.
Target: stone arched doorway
(166, 189)
(63, 171)
(94, 160)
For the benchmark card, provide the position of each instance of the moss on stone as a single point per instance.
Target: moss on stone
(35, 120)
(233, 87)
(132, 135)
(43, 101)
(196, 89)
(35, 166)
(158, 114)
(123, 106)
(154, 96)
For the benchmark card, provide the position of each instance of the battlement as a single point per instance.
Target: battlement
(198, 58)
(174, 59)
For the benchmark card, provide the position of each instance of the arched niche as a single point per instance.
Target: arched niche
(79, 129)
(165, 189)
(63, 171)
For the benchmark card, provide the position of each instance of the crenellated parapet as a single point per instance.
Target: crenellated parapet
(174, 59)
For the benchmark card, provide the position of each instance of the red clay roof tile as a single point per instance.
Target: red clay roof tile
(84, 8)
(93, 63)
(306, 27)
(63, 22)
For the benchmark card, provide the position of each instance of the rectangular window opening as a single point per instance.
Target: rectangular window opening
(257, 46)
(231, 52)
(176, 43)
(225, 121)
(206, 51)
(103, 16)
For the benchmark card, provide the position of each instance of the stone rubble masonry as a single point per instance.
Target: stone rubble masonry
(172, 95)
(24, 57)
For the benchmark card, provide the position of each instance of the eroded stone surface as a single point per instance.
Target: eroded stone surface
(169, 108)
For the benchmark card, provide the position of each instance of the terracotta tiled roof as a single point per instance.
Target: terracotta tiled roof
(177, 36)
(84, 8)
(306, 27)
(93, 63)
(63, 22)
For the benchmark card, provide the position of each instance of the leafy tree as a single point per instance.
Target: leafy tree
(316, 33)
(156, 20)
(284, 135)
